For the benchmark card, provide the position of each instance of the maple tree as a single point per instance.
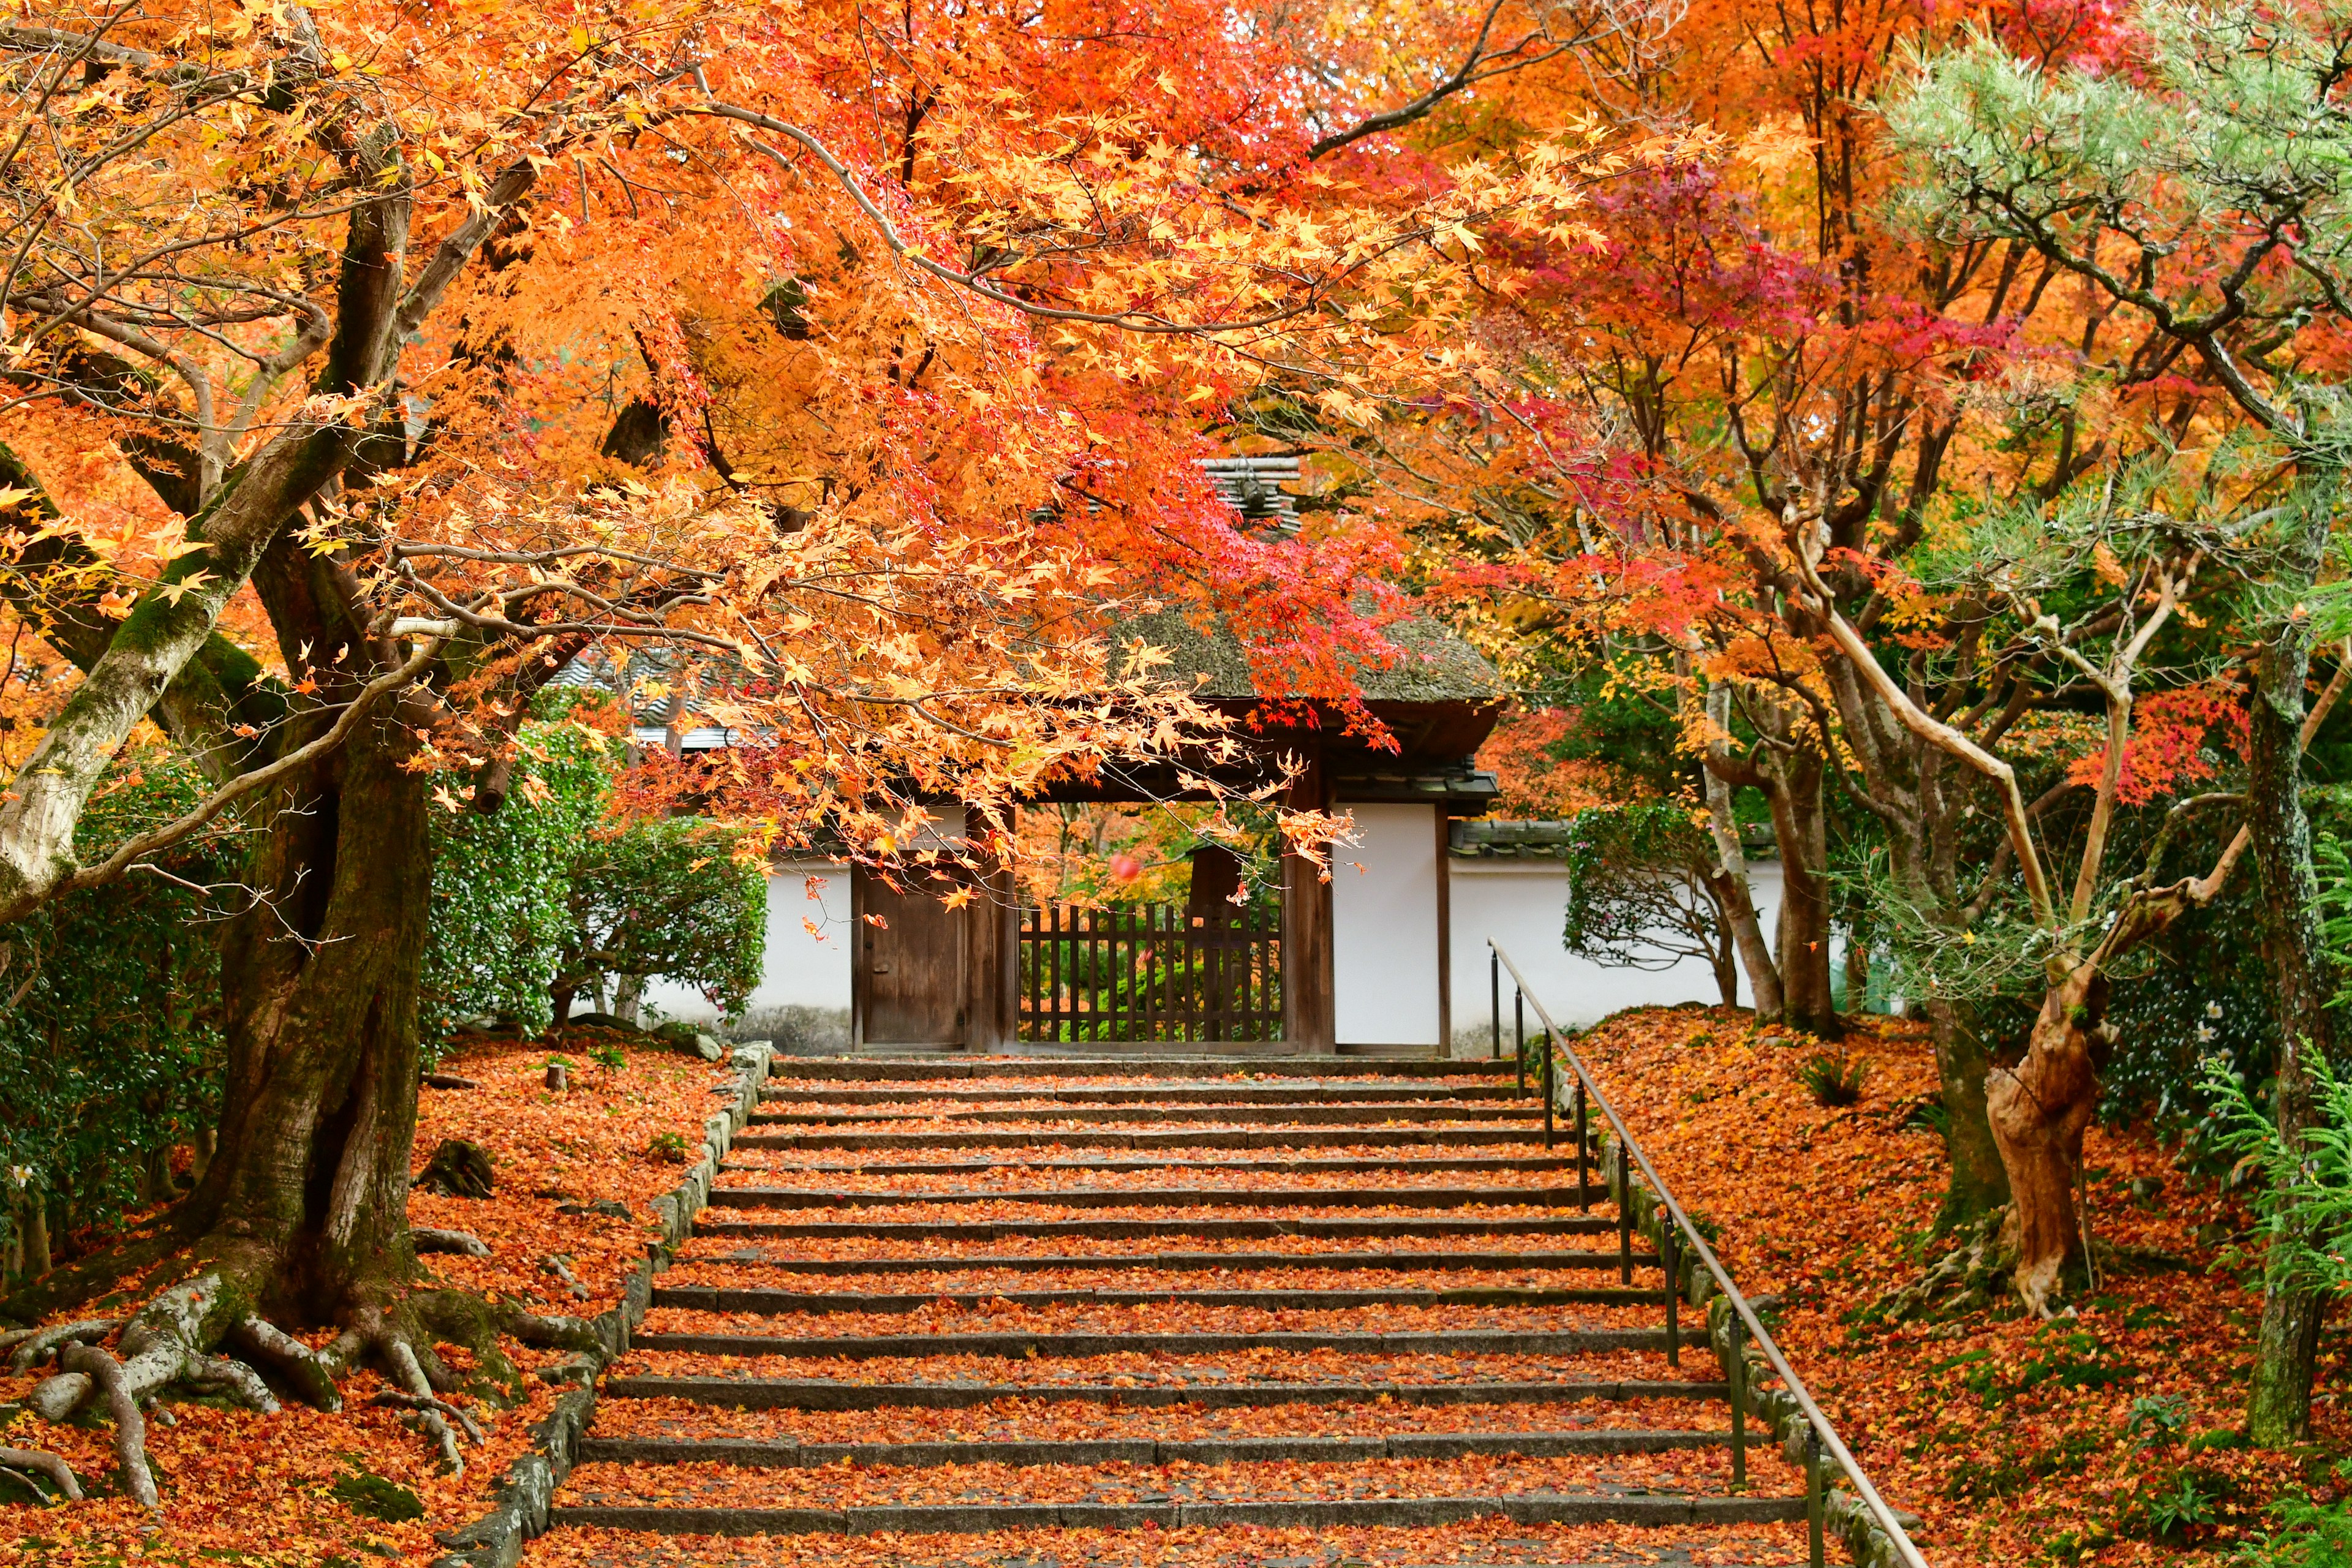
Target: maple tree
(370, 362)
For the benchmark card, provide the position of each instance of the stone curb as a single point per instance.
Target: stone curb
(783, 1393)
(1775, 1410)
(522, 1503)
(720, 1299)
(762, 1455)
(1391, 1512)
(1396, 1197)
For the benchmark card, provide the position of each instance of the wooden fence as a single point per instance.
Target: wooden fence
(1149, 971)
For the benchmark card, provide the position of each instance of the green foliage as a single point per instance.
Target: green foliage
(2309, 1535)
(541, 895)
(1638, 894)
(667, 898)
(110, 1006)
(501, 914)
(612, 1058)
(2302, 1199)
(669, 1147)
(1833, 1080)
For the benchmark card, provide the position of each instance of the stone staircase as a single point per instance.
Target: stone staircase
(1064, 1302)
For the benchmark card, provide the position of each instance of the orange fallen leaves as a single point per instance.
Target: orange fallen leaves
(1950, 1418)
(244, 1487)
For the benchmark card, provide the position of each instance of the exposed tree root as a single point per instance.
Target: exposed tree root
(560, 1266)
(112, 1379)
(40, 1345)
(18, 1460)
(302, 1366)
(197, 1333)
(410, 1371)
(429, 1240)
(440, 1406)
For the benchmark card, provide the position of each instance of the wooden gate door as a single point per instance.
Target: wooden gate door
(908, 984)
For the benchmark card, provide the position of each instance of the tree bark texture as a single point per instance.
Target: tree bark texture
(310, 1176)
(1733, 893)
(1979, 1181)
(2038, 1112)
(2278, 1409)
(1801, 935)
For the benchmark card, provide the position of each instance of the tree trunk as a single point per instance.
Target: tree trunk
(2038, 1112)
(307, 1189)
(37, 1234)
(1732, 891)
(2278, 1405)
(1979, 1181)
(1803, 932)
(1726, 970)
(1857, 969)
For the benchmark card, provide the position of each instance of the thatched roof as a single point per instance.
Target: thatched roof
(1433, 665)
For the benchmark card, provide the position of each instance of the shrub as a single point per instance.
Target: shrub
(1835, 1081)
(667, 898)
(542, 898)
(110, 1027)
(669, 1147)
(502, 881)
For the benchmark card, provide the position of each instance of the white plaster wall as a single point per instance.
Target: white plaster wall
(1522, 904)
(1384, 928)
(803, 968)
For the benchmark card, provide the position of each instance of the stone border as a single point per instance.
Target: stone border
(1774, 1408)
(524, 1497)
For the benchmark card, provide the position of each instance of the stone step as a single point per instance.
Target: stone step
(919, 1070)
(1351, 1114)
(1157, 1197)
(829, 1394)
(1182, 1262)
(1357, 1514)
(1175, 1224)
(790, 1455)
(777, 1303)
(1307, 1166)
(1068, 1347)
(1360, 1137)
(1246, 1093)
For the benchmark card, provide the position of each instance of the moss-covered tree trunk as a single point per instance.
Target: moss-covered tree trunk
(2278, 1407)
(1980, 1183)
(310, 1179)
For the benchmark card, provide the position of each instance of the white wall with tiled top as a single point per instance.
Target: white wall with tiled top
(1522, 903)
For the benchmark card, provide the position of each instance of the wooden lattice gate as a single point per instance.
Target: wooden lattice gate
(1149, 971)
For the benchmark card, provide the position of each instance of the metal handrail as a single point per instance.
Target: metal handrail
(1755, 1325)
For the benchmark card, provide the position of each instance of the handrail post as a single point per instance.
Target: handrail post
(1625, 1217)
(1738, 1371)
(1583, 1152)
(1813, 1509)
(1547, 1090)
(1519, 1036)
(1495, 990)
(1671, 1255)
